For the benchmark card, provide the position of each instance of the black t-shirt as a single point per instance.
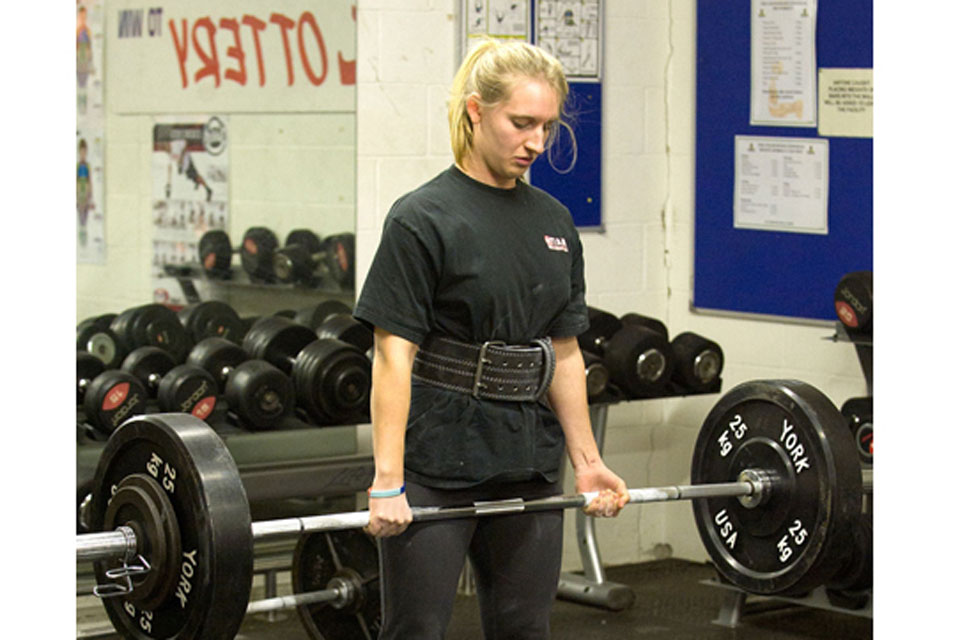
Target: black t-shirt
(467, 260)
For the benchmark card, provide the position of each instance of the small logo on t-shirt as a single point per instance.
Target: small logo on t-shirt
(556, 244)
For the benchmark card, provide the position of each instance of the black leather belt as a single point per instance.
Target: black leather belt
(492, 370)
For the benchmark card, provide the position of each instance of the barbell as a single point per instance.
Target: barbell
(776, 490)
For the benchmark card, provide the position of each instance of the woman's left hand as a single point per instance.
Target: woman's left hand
(612, 490)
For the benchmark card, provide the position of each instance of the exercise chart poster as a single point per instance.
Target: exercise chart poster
(91, 242)
(190, 171)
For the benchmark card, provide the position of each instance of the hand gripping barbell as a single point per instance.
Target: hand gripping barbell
(777, 491)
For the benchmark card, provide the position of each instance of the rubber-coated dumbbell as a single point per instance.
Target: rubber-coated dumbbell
(314, 316)
(305, 255)
(853, 300)
(698, 361)
(331, 377)
(108, 397)
(859, 415)
(638, 358)
(598, 376)
(258, 394)
(95, 336)
(184, 388)
(346, 328)
(256, 253)
(211, 319)
(152, 325)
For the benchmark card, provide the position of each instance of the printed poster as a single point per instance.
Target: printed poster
(91, 241)
(190, 170)
(571, 31)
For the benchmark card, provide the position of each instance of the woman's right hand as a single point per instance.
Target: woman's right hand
(389, 516)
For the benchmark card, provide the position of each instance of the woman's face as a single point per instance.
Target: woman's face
(509, 136)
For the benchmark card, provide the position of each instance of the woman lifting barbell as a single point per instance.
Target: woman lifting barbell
(476, 296)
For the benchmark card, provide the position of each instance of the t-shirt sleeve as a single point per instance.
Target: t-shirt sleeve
(398, 291)
(573, 319)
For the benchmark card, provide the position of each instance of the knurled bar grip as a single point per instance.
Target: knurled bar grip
(101, 546)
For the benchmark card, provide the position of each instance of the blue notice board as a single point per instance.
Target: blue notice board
(774, 273)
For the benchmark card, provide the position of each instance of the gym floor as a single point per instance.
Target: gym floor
(671, 604)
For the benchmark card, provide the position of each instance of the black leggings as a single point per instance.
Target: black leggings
(516, 561)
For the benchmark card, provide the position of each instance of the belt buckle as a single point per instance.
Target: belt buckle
(481, 360)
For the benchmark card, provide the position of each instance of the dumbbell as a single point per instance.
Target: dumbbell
(598, 376)
(697, 361)
(95, 336)
(108, 397)
(314, 316)
(211, 319)
(331, 377)
(184, 388)
(304, 255)
(256, 253)
(859, 415)
(152, 325)
(638, 357)
(258, 394)
(346, 328)
(853, 300)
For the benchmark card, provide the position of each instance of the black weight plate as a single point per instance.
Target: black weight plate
(215, 253)
(218, 357)
(859, 415)
(333, 380)
(304, 239)
(113, 397)
(148, 365)
(640, 360)
(259, 394)
(215, 571)
(853, 300)
(100, 341)
(339, 253)
(602, 327)
(277, 340)
(211, 319)
(152, 325)
(645, 321)
(256, 253)
(857, 573)
(698, 361)
(293, 264)
(799, 537)
(189, 389)
(88, 367)
(349, 555)
(314, 316)
(344, 327)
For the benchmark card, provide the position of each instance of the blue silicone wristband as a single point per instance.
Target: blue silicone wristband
(387, 493)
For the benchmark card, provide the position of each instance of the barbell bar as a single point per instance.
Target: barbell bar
(776, 489)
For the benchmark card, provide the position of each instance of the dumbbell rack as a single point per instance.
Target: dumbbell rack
(735, 600)
(593, 588)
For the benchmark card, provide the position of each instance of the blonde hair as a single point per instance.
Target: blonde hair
(491, 71)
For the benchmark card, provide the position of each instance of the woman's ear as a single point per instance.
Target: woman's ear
(473, 107)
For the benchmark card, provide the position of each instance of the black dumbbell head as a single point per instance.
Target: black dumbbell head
(603, 326)
(260, 395)
(94, 336)
(639, 360)
(88, 367)
(277, 340)
(148, 364)
(218, 357)
(113, 397)
(332, 379)
(645, 321)
(211, 319)
(853, 300)
(598, 376)
(314, 316)
(215, 254)
(346, 328)
(295, 262)
(152, 325)
(339, 252)
(256, 253)
(188, 388)
(699, 361)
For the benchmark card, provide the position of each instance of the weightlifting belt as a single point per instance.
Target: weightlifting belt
(493, 370)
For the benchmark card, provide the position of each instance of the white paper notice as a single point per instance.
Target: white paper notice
(781, 184)
(783, 62)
